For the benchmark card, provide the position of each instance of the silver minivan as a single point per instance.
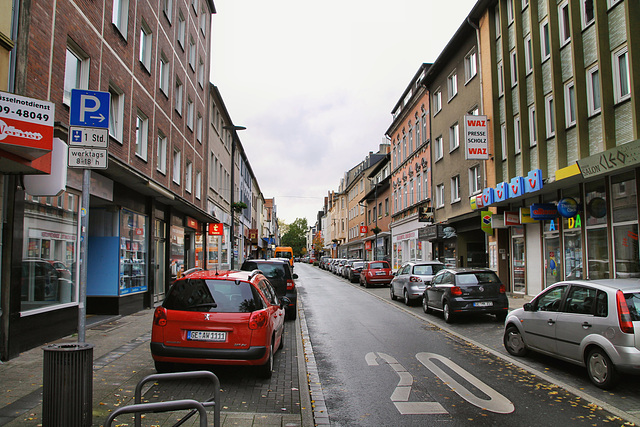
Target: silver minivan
(592, 323)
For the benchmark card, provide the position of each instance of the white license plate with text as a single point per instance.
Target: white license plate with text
(216, 336)
(483, 304)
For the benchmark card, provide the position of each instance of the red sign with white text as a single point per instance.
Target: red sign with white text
(216, 229)
(26, 125)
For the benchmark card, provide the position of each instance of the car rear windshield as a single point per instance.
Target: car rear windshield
(212, 295)
(279, 271)
(358, 264)
(427, 269)
(478, 277)
(633, 302)
(379, 265)
(283, 255)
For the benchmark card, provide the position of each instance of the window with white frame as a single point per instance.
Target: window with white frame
(500, 77)
(418, 140)
(146, 45)
(452, 84)
(190, 112)
(120, 16)
(593, 90)
(426, 186)
(549, 116)
(514, 68)
(474, 111)
(410, 140)
(176, 166)
(163, 74)
(199, 128)
(182, 28)
(439, 149)
(621, 77)
(194, 5)
(116, 113)
(509, 11)
(440, 195)
(142, 135)
(192, 53)
(545, 40)
(437, 101)
(201, 72)
(565, 24)
(454, 137)
(475, 180)
(188, 171)
(570, 104)
(588, 13)
(411, 194)
(503, 141)
(425, 136)
(161, 153)
(516, 135)
(419, 187)
(533, 126)
(455, 189)
(178, 95)
(496, 17)
(528, 54)
(470, 65)
(76, 72)
(525, 3)
(198, 185)
(167, 8)
(203, 22)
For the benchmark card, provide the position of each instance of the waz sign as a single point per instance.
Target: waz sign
(476, 139)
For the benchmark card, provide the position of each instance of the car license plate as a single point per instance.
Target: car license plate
(483, 304)
(379, 273)
(207, 336)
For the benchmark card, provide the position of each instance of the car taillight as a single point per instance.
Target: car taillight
(258, 319)
(290, 285)
(624, 317)
(503, 289)
(456, 291)
(160, 316)
(415, 279)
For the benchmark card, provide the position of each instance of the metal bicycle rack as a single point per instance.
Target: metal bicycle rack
(139, 408)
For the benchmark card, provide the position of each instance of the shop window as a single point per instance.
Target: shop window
(133, 252)
(625, 225)
(572, 240)
(596, 231)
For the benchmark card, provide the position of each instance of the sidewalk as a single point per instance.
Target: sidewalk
(122, 358)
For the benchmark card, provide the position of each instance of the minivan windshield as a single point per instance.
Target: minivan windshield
(211, 295)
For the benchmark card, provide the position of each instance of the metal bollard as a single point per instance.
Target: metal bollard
(67, 395)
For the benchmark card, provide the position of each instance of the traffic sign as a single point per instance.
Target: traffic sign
(87, 158)
(89, 137)
(89, 108)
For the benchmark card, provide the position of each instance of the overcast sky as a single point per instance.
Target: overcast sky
(314, 83)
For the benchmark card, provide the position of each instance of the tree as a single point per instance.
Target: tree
(295, 236)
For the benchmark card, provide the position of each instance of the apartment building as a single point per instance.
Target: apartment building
(377, 202)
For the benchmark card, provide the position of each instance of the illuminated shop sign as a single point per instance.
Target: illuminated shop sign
(544, 211)
(518, 186)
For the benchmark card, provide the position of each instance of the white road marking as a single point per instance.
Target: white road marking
(496, 403)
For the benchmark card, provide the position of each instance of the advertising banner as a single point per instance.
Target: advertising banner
(26, 125)
(476, 139)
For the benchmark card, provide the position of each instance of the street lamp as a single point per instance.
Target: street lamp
(235, 130)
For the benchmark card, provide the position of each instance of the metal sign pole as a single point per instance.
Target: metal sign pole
(84, 227)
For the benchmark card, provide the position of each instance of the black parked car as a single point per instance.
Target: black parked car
(279, 274)
(354, 271)
(456, 291)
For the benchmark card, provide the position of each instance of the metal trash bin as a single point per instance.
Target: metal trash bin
(67, 395)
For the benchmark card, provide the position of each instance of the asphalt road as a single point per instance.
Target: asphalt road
(381, 363)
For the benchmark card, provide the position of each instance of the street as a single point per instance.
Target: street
(381, 364)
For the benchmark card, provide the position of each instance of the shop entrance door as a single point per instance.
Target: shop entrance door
(519, 266)
(552, 259)
(160, 277)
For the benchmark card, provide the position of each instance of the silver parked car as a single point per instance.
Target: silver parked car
(592, 323)
(411, 279)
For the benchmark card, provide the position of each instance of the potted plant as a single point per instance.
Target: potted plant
(238, 206)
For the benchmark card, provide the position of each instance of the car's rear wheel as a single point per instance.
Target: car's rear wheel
(266, 370)
(391, 293)
(446, 313)
(291, 313)
(513, 342)
(163, 367)
(425, 305)
(281, 339)
(407, 301)
(366, 283)
(601, 370)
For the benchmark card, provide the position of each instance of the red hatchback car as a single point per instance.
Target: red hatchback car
(376, 273)
(219, 318)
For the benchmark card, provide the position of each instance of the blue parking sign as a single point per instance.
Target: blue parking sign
(89, 108)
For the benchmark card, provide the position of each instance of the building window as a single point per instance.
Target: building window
(419, 188)
(116, 113)
(199, 128)
(474, 112)
(528, 55)
(510, 11)
(455, 189)
(470, 65)
(437, 101)
(593, 90)
(612, 3)
(190, 112)
(424, 127)
(176, 166)
(411, 194)
(439, 152)
(452, 85)
(533, 126)
(418, 140)
(76, 73)
(549, 116)
(410, 141)
(142, 135)
(198, 185)
(588, 15)
(203, 22)
(454, 138)
(565, 24)
(496, 16)
(192, 53)
(622, 82)
(163, 74)
(146, 45)
(570, 104)
(440, 195)
(201, 73)
(516, 135)
(514, 68)
(167, 8)
(178, 96)
(182, 27)
(545, 40)
(475, 180)
(188, 170)
(525, 3)
(120, 17)
(503, 140)
(161, 155)
(500, 79)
